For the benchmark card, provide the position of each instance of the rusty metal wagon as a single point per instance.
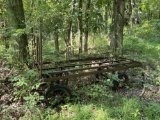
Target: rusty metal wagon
(65, 70)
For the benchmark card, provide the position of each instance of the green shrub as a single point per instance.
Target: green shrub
(152, 111)
(131, 109)
(24, 84)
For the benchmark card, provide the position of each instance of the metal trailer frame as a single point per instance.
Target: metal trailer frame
(73, 68)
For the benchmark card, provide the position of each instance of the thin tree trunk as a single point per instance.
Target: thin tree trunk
(106, 19)
(40, 46)
(80, 27)
(70, 33)
(69, 42)
(136, 18)
(131, 6)
(86, 28)
(93, 37)
(57, 39)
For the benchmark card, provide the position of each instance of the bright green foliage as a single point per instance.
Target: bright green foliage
(150, 7)
(152, 111)
(145, 40)
(26, 83)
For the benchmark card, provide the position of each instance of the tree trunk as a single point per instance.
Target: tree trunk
(116, 32)
(149, 14)
(40, 46)
(80, 27)
(17, 18)
(131, 8)
(57, 39)
(69, 42)
(93, 38)
(86, 28)
(136, 18)
(128, 15)
(106, 19)
(70, 34)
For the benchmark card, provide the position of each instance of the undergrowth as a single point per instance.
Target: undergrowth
(116, 108)
(102, 104)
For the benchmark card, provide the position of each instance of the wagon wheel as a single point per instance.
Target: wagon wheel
(57, 95)
(101, 75)
(121, 76)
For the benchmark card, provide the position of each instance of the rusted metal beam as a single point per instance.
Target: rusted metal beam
(115, 68)
(40, 46)
(83, 60)
(82, 64)
(94, 67)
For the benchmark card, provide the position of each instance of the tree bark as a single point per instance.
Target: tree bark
(57, 39)
(106, 19)
(17, 18)
(69, 41)
(117, 25)
(80, 27)
(136, 18)
(131, 6)
(70, 34)
(87, 26)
